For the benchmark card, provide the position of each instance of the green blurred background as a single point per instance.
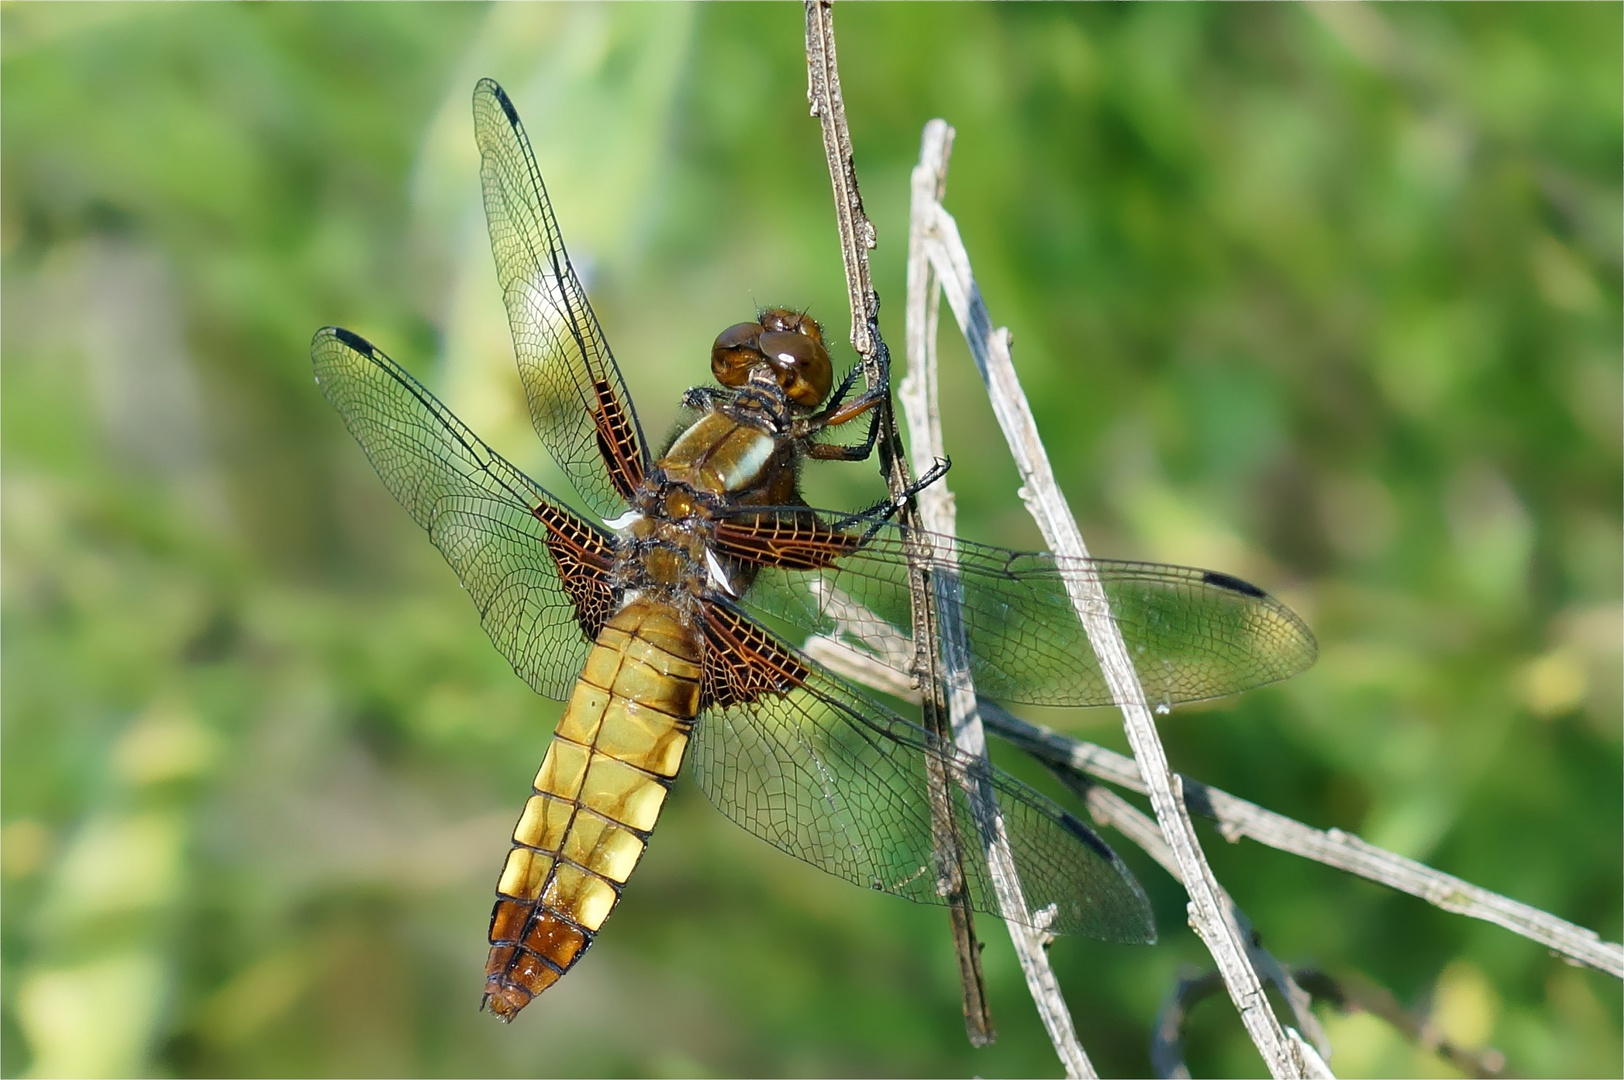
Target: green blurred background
(1325, 297)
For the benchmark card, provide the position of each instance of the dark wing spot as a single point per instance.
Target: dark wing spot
(1088, 836)
(502, 100)
(1232, 583)
(354, 341)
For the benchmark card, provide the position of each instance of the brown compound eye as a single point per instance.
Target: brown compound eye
(735, 353)
(779, 320)
(800, 362)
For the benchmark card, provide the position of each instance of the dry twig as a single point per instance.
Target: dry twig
(1110, 809)
(1237, 818)
(1106, 807)
(1357, 994)
(1167, 1038)
(856, 237)
(1208, 915)
(918, 397)
(1212, 913)
(1346, 995)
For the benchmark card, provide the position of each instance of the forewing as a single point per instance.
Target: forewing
(1192, 634)
(578, 401)
(819, 771)
(536, 571)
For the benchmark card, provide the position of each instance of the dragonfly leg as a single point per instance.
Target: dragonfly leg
(886, 509)
(706, 398)
(840, 411)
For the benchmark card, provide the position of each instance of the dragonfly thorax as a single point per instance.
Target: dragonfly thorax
(664, 555)
(731, 452)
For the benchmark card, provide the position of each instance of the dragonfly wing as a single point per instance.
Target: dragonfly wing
(578, 401)
(536, 571)
(819, 771)
(1192, 634)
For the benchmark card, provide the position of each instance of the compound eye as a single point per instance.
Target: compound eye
(801, 363)
(779, 320)
(735, 353)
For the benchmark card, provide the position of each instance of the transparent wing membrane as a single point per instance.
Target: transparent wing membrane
(837, 780)
(578, 401)
(496, 527)
(1193, 634)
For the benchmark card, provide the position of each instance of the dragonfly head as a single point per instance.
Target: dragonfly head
(788, 343)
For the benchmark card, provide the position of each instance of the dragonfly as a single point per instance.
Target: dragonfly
(650, 616)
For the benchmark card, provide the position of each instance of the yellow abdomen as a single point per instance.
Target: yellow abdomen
(597, 795)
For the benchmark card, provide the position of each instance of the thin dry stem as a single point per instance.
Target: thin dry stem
(918, 398)
(856, 231)
(1211, 912)
(1167, 1037)
(856, 238)
(1110, 809)
(1346, 995)
(1238, 818)
(1355, 993)
(1208, 915)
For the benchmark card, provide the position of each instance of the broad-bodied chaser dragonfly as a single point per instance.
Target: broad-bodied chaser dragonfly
(646, 622)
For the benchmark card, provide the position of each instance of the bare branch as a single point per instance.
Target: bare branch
(1106, 807)
(1346, 995)
(1110, 809)
(1357, 994)
(1238, 818)
(918, 398)
(1216, 921)
(856, 231)
(1167, 1034)
(1208, 915)
(856, 238)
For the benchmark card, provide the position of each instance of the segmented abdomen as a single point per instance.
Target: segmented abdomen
(594, 801)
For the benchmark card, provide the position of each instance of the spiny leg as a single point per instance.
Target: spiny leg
(887, 508)
(838, 414)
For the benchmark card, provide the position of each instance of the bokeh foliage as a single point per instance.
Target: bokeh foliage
(1327, 297)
